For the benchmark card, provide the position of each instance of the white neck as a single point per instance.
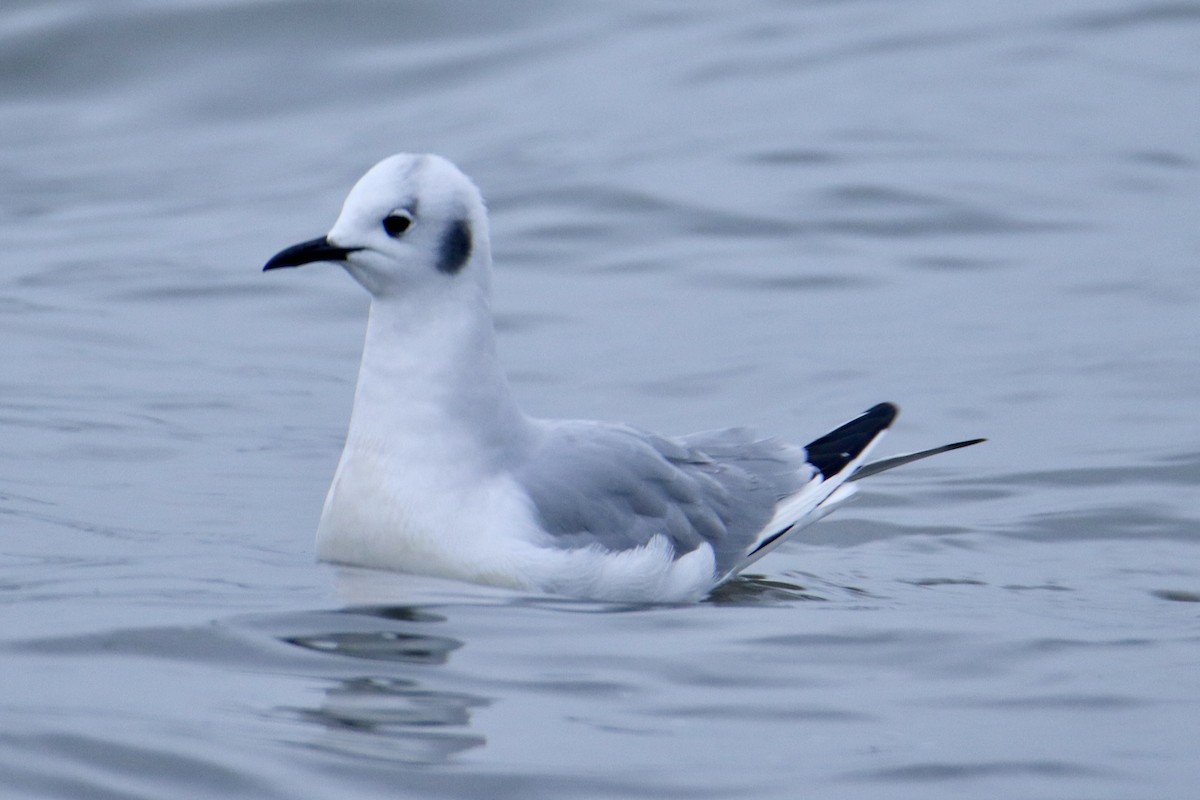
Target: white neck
(431, 389)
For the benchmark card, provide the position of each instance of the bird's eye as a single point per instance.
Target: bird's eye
(396, 223)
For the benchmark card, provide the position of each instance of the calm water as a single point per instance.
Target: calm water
(774, 214)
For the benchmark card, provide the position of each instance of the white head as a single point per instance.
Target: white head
(414, 224)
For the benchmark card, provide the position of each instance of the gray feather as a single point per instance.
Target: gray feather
(616, 487)
(876, 467)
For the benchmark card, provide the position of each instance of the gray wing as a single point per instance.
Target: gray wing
(616, 487)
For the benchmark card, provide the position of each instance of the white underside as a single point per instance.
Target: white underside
(484, 530)
(449, 520)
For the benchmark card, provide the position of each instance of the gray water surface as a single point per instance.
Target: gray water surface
(773, 214)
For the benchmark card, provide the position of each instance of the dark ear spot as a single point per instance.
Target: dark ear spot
(455, 248)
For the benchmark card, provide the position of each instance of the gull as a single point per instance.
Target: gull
(442, 474)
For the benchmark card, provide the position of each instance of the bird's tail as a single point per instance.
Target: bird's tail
(834, 456)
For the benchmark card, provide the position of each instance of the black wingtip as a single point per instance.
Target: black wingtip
(960, 445)
(832, 452)
(876, 467)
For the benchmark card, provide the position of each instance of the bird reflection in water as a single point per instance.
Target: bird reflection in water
(391, 713)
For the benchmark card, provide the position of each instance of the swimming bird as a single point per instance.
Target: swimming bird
(442, 474)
